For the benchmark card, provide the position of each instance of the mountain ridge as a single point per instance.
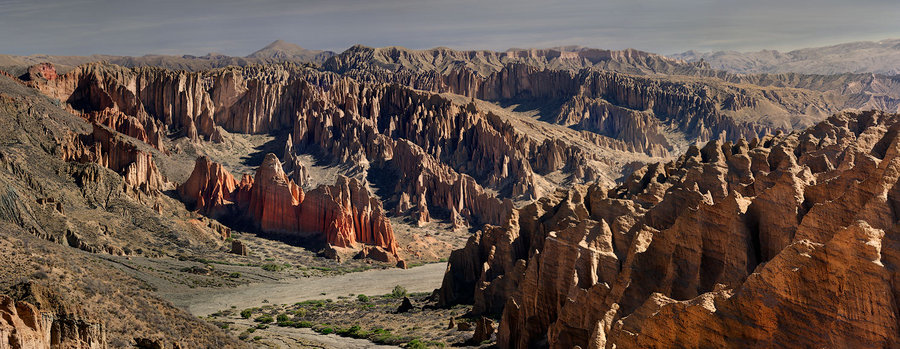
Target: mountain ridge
(879, 57)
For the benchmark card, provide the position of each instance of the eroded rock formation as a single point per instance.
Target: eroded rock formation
(25, 325)
(787, 240)
(209, 188)
(344, 214)
(355, 123)
(107, 148)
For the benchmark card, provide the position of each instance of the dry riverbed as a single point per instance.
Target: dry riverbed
(202, 301)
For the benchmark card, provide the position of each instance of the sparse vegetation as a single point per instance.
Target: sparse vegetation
(265, 318)
(399, 292)
(326, 330)
(274, 266)
(322, 317)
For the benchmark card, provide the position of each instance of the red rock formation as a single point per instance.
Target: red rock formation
(209, 188)
(274, 199)
(781, 241)
(42, 71)
(359, 217)
(343, 215)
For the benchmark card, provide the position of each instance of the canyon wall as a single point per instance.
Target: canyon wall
(358, 124)
(780, 241)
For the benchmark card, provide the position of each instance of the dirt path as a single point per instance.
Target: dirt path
(205, 301)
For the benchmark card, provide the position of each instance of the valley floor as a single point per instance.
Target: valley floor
(202, 301)
(209, 293)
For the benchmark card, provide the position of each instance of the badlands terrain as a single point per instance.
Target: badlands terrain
(427, 198)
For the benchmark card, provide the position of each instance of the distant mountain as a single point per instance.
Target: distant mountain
(443, 60)
(882, 57)
(276, 52)
(281, 51)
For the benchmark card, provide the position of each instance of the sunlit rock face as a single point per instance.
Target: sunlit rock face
(344, 214)
(780, 241)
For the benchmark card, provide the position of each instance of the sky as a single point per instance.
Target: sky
(239, 27)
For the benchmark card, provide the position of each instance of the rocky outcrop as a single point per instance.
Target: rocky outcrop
(42, 71)
(25, 325)
(780, 241)
(107, 148)
(352, 215)
(22, 325)
(274, 200)
(484, 329)
(344, 215)
(209, 188)
(238, 248)
(127, 125)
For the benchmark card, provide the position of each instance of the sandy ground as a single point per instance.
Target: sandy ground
(205, 301)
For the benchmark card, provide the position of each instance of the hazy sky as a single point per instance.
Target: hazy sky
(239, 27)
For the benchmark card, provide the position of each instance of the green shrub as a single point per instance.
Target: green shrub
(257, 338)
(416, 344)
(282, 318)
(246, 313)
(305, 324)
(234, 275)
(398, 292)
(262, 326)
(363, 298)
(251, 330)
(354, 331)
(326, 330)
(273, 267)
(265, 318)
(382, 336)
(244, 335)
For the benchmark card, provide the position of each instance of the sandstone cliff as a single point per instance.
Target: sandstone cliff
(781, 241)
(25, 325)
(343, 215)
(209, 188)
